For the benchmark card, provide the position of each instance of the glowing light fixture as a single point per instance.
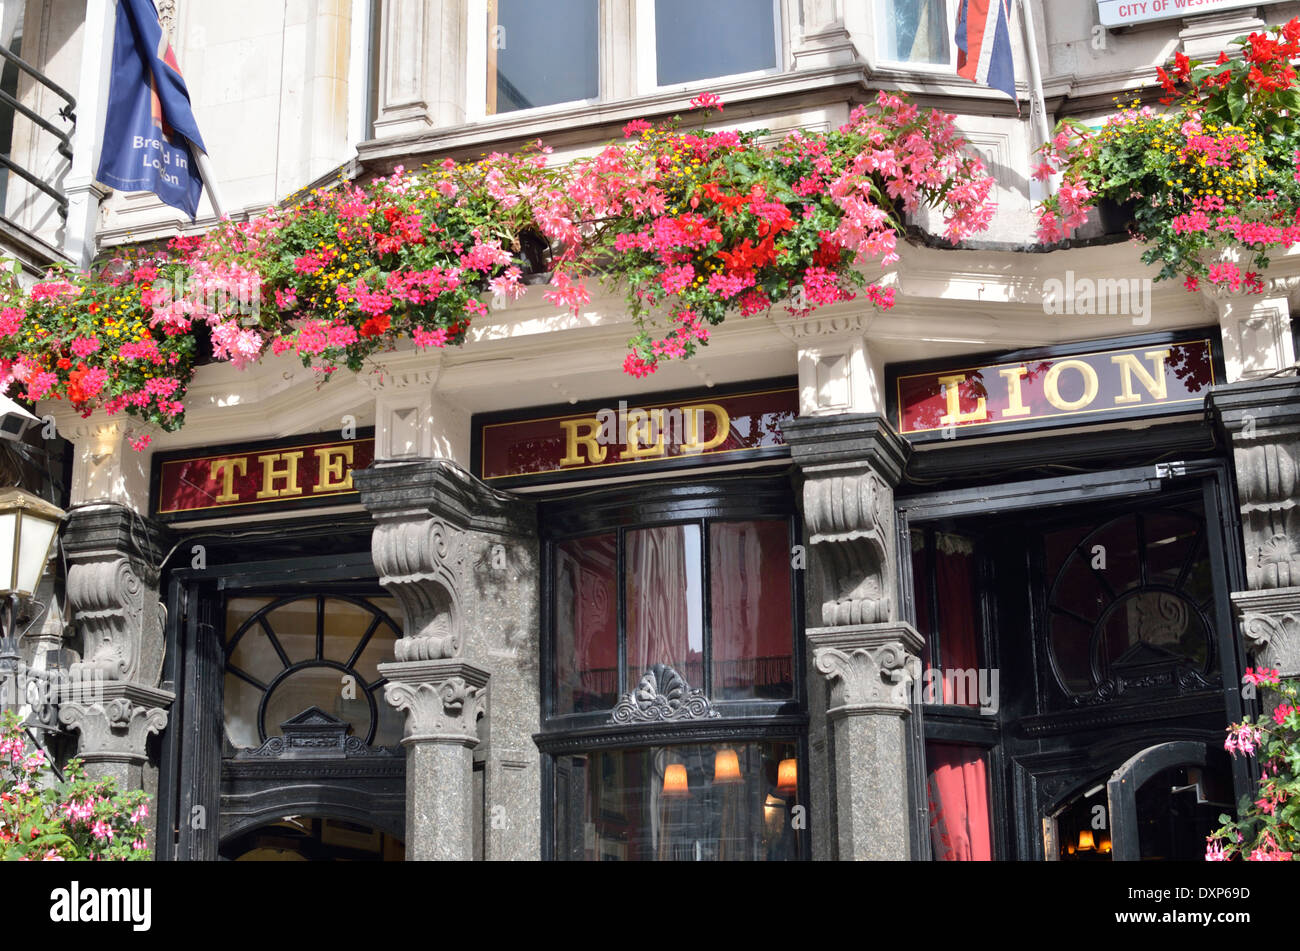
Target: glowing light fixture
(675, 786)
(787, 775)
(726, 768)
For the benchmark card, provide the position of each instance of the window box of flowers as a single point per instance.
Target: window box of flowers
(689, 225)
(1211, 178)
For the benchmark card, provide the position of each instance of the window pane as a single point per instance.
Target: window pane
(914, 31)
(540, 54)
(665, 598)
(701, 802)
(316, 687)
(959, 803)
(586, 624)
(720, 38)
(749, 581)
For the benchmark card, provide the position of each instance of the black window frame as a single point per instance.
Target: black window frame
(741, 497)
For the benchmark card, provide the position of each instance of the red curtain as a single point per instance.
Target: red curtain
(958, 622)
(750, 582)
(959, 803)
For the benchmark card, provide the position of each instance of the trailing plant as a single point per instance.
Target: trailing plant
(1212, 181)
(691, 225)
(45, 817)
(1266, 829)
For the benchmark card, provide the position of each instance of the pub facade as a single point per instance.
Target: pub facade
(946, 582)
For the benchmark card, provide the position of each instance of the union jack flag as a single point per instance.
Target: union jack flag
(984, 44)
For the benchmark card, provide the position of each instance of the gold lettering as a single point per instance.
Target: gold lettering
(955, 416)
(1154, 382)
(270, 474)
(693, 416)
(1051, 385)
(329, 468)
(1015, 399)
(645, 434)
(573, 439)
(225, 470)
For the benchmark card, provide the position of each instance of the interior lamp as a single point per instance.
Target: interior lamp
(675, 786)
(726, 768)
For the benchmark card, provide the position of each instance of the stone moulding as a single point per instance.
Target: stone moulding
(848, 521)
(118, 722)
(1270, 625)
(662, 695)
(442, 700)
(870, 668)
(430, 518)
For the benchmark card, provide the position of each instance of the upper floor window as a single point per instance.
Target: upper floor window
(915, 31)
(541, 54)
(696, 41)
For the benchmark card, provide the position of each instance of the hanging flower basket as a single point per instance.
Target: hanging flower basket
(1211, 180)
(689, 225)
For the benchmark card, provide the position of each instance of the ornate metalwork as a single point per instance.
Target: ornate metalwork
(312, 734)
(662, 694)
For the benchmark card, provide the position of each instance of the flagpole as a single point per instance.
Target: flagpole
(209, 177)
(1038, 102)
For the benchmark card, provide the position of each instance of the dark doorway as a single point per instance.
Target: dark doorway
(1102, 628)
(310, 839)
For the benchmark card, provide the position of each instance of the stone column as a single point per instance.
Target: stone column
(113, 700)
(443, 700)
(1262, 421)
(461, 560)
(869, 659)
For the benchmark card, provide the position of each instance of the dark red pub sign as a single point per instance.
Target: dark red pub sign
(1048, 390)
(662, 432)
(251, 477)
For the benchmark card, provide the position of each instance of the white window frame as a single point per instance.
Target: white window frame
(878, 34)
(476, 60)
(646, 39)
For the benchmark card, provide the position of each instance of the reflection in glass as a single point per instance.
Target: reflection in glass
(914, 31)
(665, 601)
(290, 654)
(749, 564)
(720, 38)
(1135, 591)
(586, 624)
(678, 804)
(541, 54)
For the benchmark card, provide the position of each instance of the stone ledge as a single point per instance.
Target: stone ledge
(818, 442)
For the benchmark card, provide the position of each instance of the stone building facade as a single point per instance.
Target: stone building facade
(478, 659)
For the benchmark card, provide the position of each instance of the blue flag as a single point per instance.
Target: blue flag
(150, 136)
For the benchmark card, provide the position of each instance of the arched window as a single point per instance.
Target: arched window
(285, 655)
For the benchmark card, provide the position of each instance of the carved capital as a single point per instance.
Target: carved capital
(1270, 624)
(442, 700)
(114, 720)
(871, 668)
